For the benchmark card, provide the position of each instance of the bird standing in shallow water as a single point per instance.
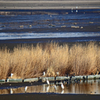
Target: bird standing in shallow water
(62, 85)
(48, 82)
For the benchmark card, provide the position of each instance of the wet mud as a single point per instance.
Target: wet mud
(47, 96)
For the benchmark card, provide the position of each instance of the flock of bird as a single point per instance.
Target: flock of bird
(47, 81)
(49, 84)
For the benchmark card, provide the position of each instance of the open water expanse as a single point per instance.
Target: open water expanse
(76, 25)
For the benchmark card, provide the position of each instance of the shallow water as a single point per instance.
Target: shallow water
(4, 36)
(54, 25)
(87, 87)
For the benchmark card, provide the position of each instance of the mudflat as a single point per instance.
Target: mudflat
(10, 44)
(49, 96)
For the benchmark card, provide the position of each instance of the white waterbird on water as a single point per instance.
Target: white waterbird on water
(48, 82)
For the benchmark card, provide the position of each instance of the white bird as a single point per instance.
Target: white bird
(62, 86)
(26, 88)
(57, 73)
(48, 82)
(43, 73)
(11, 74)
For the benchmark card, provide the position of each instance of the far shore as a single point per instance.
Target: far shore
(50, 4)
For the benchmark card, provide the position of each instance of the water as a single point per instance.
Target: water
(47, 35)
(87, 87)
(51, 25)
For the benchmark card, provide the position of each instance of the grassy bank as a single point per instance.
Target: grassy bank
(26, 62)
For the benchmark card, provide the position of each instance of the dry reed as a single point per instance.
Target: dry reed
(27, 62)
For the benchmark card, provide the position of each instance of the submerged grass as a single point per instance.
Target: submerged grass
(30, 61)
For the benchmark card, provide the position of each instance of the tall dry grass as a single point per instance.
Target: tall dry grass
(25, 61)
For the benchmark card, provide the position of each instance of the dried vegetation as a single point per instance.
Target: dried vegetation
(30, 61)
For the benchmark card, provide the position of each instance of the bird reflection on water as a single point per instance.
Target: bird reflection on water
(11, 91)
(87, 87)
(26, 88)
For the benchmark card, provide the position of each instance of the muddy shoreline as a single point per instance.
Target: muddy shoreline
(11, 43)
(49, 96)
(90, 28)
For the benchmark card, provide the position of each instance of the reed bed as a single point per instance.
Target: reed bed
(29, 61)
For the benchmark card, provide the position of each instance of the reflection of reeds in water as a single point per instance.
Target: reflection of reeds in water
(4, 91)
(12, 91)
(87, 88)
(84, 88)
(91, 87)
(26, 62)
(40, 89)
(37, 89)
